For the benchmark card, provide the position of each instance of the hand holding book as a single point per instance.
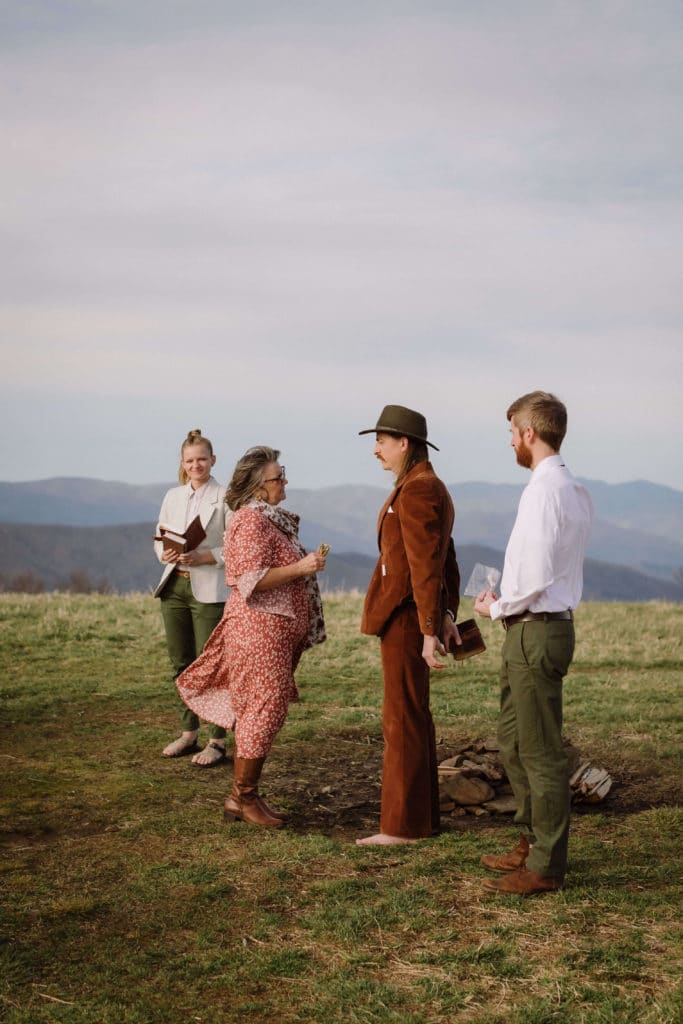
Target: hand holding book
(472, 641)
(180, 543)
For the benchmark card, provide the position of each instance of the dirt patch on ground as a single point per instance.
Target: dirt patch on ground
(334, 787)
(336, 790)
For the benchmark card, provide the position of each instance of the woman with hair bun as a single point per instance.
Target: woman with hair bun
(245, 677)
(192, 588)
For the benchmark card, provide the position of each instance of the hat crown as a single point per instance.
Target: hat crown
(397, 419)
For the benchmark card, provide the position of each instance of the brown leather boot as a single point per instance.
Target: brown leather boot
(508, 861)
(244, 802)
(282, 815)
(523, 883)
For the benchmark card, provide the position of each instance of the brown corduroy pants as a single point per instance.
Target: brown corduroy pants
(410, 788)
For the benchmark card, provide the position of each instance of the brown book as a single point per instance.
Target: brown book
(472, 641)
(181, 542)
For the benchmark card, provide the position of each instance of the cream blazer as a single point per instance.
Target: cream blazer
(207, 581)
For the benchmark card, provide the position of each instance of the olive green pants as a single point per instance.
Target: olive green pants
(188, 623)
(536, 657)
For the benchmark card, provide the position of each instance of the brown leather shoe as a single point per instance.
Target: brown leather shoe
(244, 802)
(508, 861)
(523, 883)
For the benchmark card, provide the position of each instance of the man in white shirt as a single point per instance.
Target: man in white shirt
(540, 588)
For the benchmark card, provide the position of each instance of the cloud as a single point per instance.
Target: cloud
(327, 209)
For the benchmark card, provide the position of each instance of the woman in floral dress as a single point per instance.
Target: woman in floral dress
(244, 679)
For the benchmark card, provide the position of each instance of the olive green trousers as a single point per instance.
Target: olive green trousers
(188, 623)
(536, 657)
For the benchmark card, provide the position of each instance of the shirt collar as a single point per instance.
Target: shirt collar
(199, 493)
(546, 464)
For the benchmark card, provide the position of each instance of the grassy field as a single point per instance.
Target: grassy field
(125, 899)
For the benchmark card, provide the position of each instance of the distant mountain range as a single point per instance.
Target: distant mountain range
(52, 528)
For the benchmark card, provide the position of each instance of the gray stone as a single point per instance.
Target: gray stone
(466, 791)
(501, 805)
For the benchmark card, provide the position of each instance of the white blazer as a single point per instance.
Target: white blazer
(207, 581)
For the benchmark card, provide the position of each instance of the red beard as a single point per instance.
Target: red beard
(524, 456)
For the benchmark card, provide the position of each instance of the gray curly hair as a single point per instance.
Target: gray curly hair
(247, 476)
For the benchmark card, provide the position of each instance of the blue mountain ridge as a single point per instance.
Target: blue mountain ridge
(638, 527)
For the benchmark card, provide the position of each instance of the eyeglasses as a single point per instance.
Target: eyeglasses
(276, 479)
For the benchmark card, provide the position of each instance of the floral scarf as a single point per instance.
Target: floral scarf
(288, 523)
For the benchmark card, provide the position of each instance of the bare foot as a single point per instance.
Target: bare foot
(185, 744)
(382, 839)
(212, 754)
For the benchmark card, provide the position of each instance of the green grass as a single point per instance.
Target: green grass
(126, 899)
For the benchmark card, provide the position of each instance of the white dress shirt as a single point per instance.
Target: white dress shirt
(194, 502)
(543, 569)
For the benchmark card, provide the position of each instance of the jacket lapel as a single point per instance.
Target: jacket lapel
(383, 511)
(422, 467)
(209, 503)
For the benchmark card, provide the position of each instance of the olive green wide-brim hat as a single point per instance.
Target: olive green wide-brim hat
(396, 419)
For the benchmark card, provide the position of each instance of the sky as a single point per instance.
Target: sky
(269, 220)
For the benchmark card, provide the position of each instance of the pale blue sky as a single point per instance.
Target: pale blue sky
(269, 220)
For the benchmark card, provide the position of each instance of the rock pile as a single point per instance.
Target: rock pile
(473, 781)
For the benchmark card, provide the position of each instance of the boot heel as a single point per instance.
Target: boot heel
(244, 802)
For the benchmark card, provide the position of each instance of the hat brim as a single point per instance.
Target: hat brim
(379, 429)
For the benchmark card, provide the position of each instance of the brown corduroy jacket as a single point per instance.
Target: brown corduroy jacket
(417, 558)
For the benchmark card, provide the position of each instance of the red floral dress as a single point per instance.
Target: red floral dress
(244, 678)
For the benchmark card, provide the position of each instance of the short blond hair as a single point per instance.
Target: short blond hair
(544, 413)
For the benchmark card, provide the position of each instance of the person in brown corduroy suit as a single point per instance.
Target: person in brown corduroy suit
(411, 603)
